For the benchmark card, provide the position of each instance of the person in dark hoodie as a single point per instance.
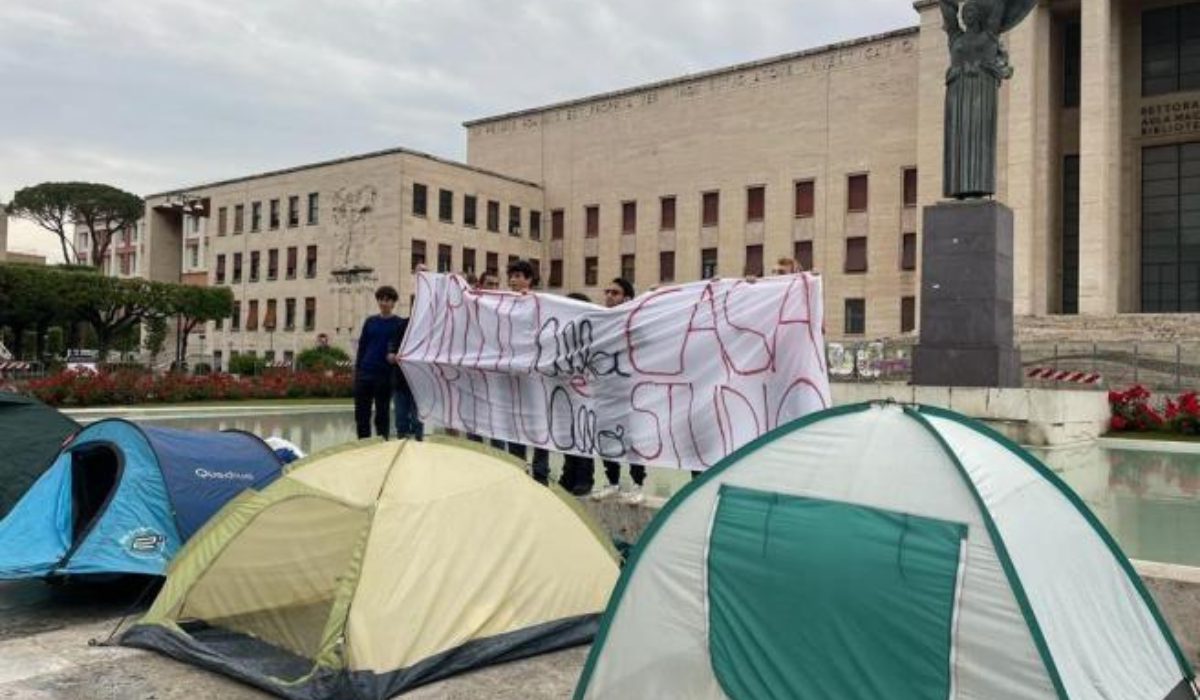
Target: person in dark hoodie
(372, 370)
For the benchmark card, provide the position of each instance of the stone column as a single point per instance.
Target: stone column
(1028, 161)
(1099, 159)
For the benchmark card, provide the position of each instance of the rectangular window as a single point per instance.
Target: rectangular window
(290, 270)
(908, 251)
(666, 214)
(756, 203)
(493, 216)
(557, 225)
(269, 319)
(293, 211)
(910, 187)
(1072, 63)
(856, 254)
(908, 314)
(420, 193)
(468, 263)
(1171, 49)
(535, 225)
(220, 275)
(310, 313)
(628, 217)
(856, 193)
(1170, 260)
(629, 267)
(314, 208)
(255, 256)
(252, 316)
(470, 210)
(272, 264)
(289, 314)
(536, 264)
(754, 260)
(514, 220)
(591, 217)
(493, 262)
(708, 263)
(710, 209)
(218, 356)
(239, 216)
(274, 214)
(512, 260)
(1069, 243)
(256, 216)
(445, 206)
(310, 262)
(237, 268)
(856, 316)
(235, 322)
(418, 254)
(666, 266)
(591, 271)
(803, 253)
(222, 221)
(556, 274)
(445, 261)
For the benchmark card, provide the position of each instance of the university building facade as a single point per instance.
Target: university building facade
(825, 155)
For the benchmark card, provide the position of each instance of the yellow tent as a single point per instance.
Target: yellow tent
(369, 570)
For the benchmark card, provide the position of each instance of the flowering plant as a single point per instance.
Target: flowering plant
(1135, 410)
(73, 388)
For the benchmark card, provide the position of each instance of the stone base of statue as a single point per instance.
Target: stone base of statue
(967, 297)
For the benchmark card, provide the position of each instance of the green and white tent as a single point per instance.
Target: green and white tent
(881, 551)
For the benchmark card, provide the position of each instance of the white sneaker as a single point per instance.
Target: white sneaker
(606, 492)
(633, 496)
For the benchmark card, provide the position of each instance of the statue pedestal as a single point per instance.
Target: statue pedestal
(967, 297)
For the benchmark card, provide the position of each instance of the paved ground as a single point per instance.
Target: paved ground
(44, 655)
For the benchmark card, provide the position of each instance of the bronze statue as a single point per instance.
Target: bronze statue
(978, 63)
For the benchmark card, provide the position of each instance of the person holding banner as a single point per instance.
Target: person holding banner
(617, 293)
(520, 281)
(372, 366)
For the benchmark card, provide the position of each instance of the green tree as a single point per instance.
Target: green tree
(195, 306)
(155, 337)
(32, 298)
(103, 210)
(113, 306)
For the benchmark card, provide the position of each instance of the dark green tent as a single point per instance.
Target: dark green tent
(31, 435)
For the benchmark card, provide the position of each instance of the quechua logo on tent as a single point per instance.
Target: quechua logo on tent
(223, 476)
(144, 542)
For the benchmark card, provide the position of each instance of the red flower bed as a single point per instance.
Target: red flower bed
(1136, 410)
(134, 387)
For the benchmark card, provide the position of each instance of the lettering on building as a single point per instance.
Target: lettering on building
(711, 85)
(1169, 118)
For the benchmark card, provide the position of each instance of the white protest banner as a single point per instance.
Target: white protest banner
(679, 377)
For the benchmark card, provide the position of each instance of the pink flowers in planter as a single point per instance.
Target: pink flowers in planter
(136, 387)
(1135, 410)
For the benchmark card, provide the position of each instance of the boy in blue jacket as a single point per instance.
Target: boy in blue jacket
(372, 371)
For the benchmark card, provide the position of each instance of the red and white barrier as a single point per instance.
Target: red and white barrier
(14, 366)
(1054, 375)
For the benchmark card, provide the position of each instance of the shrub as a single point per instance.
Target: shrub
(1135, 410)
(132, 387)
(321, 358)
(247, 365)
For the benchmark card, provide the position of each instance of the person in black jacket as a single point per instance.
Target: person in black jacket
(372, 372)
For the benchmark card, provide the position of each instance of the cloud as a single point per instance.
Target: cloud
(155, 95)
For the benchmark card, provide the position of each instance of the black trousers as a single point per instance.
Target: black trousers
(613, 471)
(577, 475)
(372, 391)
(540, 463)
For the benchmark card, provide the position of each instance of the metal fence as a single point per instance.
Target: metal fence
(1160, 366)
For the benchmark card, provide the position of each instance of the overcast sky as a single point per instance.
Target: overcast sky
(151, 95)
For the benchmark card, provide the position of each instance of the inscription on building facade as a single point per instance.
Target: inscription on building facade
(723, 82)
(1169, 118)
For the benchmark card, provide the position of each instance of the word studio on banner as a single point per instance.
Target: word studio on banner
(681, 376)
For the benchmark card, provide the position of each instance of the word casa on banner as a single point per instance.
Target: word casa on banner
(679, 377)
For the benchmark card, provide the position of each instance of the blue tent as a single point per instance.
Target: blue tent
(123, 498)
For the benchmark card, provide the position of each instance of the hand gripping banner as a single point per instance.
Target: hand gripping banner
(678, 377)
